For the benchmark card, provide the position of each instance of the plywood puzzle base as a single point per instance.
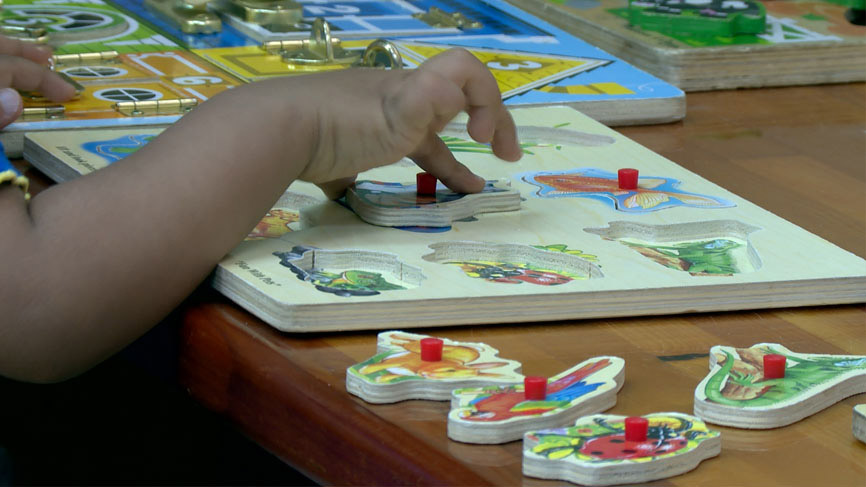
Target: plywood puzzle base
(579, 246)
(571, 198)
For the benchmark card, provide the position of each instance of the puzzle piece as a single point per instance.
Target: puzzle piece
(498, 414)
(738, 393)
(397, 205)
(858, 423)
(595, 450)
(397, 372)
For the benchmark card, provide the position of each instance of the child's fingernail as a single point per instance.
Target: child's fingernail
(10, 101)
(46, 50)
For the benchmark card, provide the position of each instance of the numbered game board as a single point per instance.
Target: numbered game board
(579, 246)
(135, 68)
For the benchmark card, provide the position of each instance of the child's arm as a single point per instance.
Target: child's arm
(23, 67)
(91, 264)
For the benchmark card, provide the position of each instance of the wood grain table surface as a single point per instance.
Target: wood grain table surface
(799, 152)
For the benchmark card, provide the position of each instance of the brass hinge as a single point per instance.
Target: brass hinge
(175, 106)
(42, 113)
(35, 35)
(191, 16)
(278, 13)
(436, 17)
(85, 58)
(323, 50)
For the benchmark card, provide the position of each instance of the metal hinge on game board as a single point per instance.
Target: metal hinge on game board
(323, 50)
(36, 35)
(436, 17)
(42, 113)
(191, 16)
(174, 106)
(85, 58)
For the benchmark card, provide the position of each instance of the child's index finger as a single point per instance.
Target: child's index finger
(489, 121)
(466, 71)
(25, 75)
(33, 52)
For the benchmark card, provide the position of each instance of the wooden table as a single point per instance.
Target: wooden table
(799, 152)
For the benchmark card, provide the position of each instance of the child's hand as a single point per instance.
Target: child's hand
(373, 118)
(23, 67)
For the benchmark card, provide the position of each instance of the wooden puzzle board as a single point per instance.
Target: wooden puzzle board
(805, 42)
(790, 266)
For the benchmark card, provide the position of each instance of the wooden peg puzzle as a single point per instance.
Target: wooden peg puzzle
(741, 392)
(502, 413)
(398, 371)
(579, 246)
(391, 204)
(597, 450)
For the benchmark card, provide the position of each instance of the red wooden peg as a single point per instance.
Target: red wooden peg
(535, 388)
(636, 428)
(627, 178)
(774, 366)
(431, 349)
(425, 183)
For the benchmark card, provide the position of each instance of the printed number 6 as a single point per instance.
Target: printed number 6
(513, 65)
(197, 80)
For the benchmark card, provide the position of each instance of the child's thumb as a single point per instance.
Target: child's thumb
(10, 106)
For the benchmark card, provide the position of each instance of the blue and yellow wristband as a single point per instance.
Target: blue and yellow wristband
(8, 174)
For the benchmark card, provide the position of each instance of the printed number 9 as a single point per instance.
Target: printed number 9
(197, 80)
(513, 65)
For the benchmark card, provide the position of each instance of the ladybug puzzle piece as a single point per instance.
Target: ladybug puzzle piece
(599, 450)
(400, 372)
(767, 385)
(498, 414)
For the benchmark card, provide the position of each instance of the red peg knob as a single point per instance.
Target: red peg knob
(535, 388)
(636, 428)
(627, 178)
(425, 183)
(431, 349)
(774, 366)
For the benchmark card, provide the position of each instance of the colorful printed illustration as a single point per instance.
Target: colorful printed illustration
(549, 265)
(600, 439)
(514, 273)
(274, 224)
(345, 283)
(704, 248)
(565, 390)
(116, 149)
(711, 18)
(737, 378)
(652, 194)
(703, 258)
(398, 359)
